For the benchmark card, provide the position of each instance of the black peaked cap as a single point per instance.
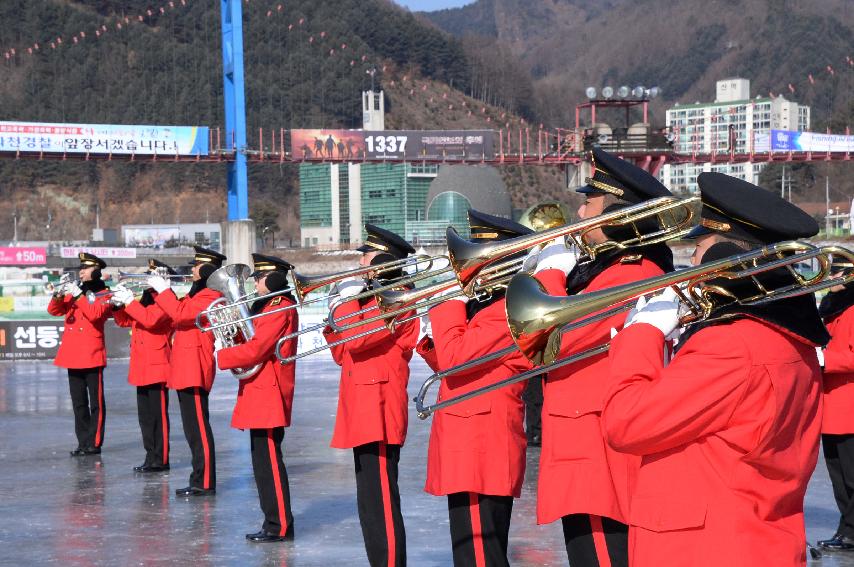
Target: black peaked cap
(265, 264)
(626, 181)
(90, 260)
(154, 263)
(485, 227)
(741, 210)
(207, 256)
(382, 240)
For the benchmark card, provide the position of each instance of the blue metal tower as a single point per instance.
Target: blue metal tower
(235, 107)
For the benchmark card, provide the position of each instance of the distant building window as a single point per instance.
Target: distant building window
(200, 237)
(375, 194)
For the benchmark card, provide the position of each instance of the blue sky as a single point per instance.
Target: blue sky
(431, 5)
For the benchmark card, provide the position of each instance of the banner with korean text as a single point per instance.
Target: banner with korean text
(23, 256)
(398, 145)
(102, 252)
(103, 139)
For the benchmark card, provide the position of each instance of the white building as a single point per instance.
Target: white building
(166, 235)
(729, 123)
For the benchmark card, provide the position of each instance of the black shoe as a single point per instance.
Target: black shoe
(151, 468)
(78, 452)
(266, 537)
(92, 451)
(140, 468)
(837, 543)
(195, 491)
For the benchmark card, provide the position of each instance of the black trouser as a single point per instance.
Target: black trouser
(480, 527)
(533, 398)
(839, 456)
(592, 541)
(378, 499)
(271, 478)
(87, 398)
(197, 430)
(152, 406)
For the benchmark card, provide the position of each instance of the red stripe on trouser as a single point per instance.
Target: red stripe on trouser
(204, 433)
(164, 424)
(386, 494)
(599, 542)
(476, 530)
(277, 482)
(100, 407)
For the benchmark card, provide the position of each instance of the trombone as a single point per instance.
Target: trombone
(303, 285)
(537, 320)
(469, 260)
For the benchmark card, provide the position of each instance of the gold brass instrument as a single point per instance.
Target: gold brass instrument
(537, 320)
(303, 285)
(674, 217)
(233, 324)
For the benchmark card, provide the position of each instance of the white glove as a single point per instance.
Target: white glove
(218, 346)
(158, 283)
(426, 327)
(819, 352)
(556, 256)
(73, 289)
(121, 296)
(662, 312)
(349, 288)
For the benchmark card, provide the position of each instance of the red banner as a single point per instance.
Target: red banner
(24, 256)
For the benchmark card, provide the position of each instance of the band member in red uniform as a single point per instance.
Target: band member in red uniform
(728, 432)
(150, 349)
(264, 399)
(192, 366)
(582, 481)
(476, 455)
(85, 308)
(837, 428)
(372, 403)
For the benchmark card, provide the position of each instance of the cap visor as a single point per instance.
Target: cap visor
(589, 190)
(697, 232)
(365, 248)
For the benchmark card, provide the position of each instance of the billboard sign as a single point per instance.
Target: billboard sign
(788, 141)
(103, 139)
(39, 339)
(99, 251)
(151, 236)
(23, 256)
(399, 145)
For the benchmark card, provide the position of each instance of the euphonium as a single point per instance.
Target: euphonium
(230, 281)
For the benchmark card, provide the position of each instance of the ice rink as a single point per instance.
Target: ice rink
(96, 511)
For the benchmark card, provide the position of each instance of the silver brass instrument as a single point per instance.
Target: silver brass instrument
(137, 282)
(232, 320)
(537, 319)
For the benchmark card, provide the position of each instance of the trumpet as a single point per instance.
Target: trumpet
(538, 320)
(137, 281)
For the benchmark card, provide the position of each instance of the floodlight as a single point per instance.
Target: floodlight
(607, 92)
(654, 92)
(637, 92)
(623, 91)
(590, 92)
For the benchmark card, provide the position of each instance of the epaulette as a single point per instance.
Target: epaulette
(631, 259)
(276, 300)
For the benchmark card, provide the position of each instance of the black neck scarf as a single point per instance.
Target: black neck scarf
(93, 285)
(584, 272)
(836, 302)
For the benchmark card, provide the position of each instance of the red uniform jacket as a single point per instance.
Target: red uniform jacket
(150, 347)
(839, 375)
(579, 473)
(728, 433)
(372, 399)
(477, 445)
(192, 363)
(82, 343)
(264, 400)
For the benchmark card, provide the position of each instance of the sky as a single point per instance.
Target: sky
(432, 5)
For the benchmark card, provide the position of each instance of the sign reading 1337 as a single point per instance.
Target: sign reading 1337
(385, 144)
